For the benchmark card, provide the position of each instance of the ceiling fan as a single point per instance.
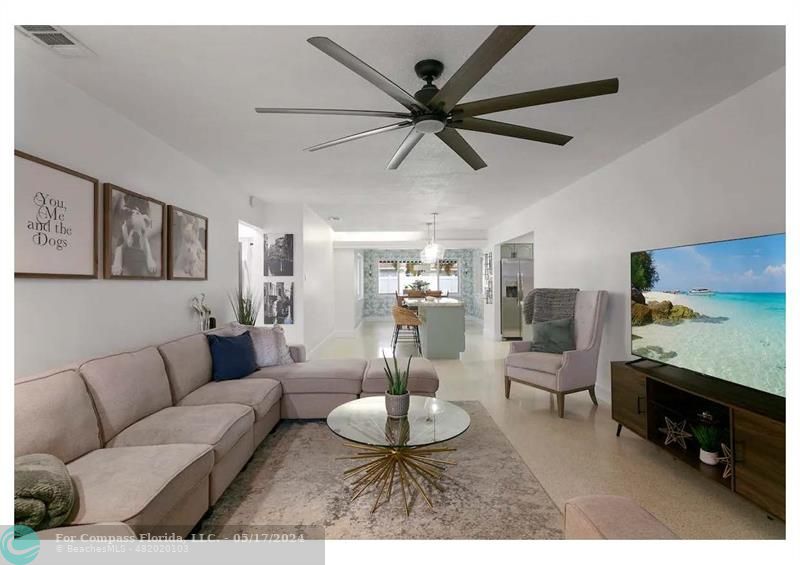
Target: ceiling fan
(437, 110)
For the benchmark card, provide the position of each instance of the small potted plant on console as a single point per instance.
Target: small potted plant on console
(708, 436)
(397, 397)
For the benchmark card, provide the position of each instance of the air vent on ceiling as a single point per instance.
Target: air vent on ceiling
(55, 39)
(38, 29)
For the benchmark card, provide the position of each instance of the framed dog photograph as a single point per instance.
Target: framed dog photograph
(187, 245)
(55, 220)
(133, 235)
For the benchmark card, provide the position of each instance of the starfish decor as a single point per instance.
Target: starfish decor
(727, 458)
(676, 433)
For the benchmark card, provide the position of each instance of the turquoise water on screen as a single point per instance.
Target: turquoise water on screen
(742, 339)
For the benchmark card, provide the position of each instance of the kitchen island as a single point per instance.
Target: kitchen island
(443, 326)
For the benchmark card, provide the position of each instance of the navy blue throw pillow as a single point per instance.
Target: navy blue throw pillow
(232, 357)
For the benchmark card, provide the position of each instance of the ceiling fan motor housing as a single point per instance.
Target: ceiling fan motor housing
(429, 124)
(428, 70)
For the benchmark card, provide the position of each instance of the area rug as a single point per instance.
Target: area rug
(295, 479)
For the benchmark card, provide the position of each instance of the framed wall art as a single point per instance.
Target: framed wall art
(279, 303)
(187, 245)
(278, 255)
(134, 238)
(55, 220)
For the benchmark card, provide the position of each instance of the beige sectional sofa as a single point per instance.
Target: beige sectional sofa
(152, 441)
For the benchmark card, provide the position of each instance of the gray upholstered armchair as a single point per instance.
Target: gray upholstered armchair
(568, 372)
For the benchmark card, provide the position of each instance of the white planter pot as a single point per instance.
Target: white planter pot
(709, 457)
(397, 405)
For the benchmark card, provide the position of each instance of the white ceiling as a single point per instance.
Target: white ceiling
(196, 87)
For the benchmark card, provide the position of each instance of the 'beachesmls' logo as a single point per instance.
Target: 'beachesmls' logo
(19, 545)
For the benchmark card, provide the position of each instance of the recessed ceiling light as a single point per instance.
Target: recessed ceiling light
(334, 218)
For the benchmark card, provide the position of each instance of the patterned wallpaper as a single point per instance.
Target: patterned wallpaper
(380, 305)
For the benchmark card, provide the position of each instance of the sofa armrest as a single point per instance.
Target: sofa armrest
(520, 346)
(298, 353)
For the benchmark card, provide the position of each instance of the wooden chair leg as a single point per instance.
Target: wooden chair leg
(591, 393)
(560, 399)
(419, 341)
(508, 387)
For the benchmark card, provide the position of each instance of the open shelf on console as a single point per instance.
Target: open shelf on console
(664, 401)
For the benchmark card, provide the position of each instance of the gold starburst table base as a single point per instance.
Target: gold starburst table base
(408, 467)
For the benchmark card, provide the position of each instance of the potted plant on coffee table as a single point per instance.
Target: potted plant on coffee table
(708, 436)
(397, 397)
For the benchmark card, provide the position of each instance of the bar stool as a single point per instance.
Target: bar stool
(406, 328)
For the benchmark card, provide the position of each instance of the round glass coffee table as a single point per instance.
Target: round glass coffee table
(405, 451)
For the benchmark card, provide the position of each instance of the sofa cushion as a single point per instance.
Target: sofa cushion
(54, 414)
(188, 363)
(232, 357)
(422, 378)
(258, 394)
(321, 375)
(126, 388)
(136, 484)
(217, 425)
(269, 343)
(536, 361)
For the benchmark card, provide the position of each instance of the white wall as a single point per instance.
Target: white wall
(719, 175)
(58, 321)
(348, 308)
(318, 279)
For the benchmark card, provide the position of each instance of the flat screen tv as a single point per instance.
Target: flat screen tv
(714, 308)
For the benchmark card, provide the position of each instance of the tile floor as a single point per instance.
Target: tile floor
(579, 454)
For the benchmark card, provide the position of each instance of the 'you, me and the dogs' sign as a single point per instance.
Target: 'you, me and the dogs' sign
(55, 220)
(50, 227)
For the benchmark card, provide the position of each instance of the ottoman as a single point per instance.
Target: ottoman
(422, 379)
(611, 517)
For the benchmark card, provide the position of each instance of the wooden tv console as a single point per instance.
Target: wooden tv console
(643, 393)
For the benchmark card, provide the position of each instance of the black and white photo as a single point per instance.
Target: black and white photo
(278, 255)
(279, 303)
(133, 234)
(187, 243)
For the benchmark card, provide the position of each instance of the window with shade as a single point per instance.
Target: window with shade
(395, 276)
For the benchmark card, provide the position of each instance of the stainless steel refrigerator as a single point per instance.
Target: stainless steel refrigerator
(516, 280)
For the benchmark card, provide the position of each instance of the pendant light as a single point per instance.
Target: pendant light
(433, 252)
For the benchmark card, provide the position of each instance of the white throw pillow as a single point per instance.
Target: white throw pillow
(269, 344)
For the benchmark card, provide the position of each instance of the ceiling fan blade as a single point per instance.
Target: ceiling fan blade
(500, 42)
(334, 112)
(457, 143)
(366, 72)
(510, 130)
(405, 148)
(384, 129)
(538, 97)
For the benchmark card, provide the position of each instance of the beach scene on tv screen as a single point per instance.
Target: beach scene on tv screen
(715, 308)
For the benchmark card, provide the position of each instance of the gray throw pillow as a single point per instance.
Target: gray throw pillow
(269, 343)
(553, 336)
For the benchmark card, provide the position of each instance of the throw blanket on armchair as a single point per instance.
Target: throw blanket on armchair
(43, 491)
(545, 304)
